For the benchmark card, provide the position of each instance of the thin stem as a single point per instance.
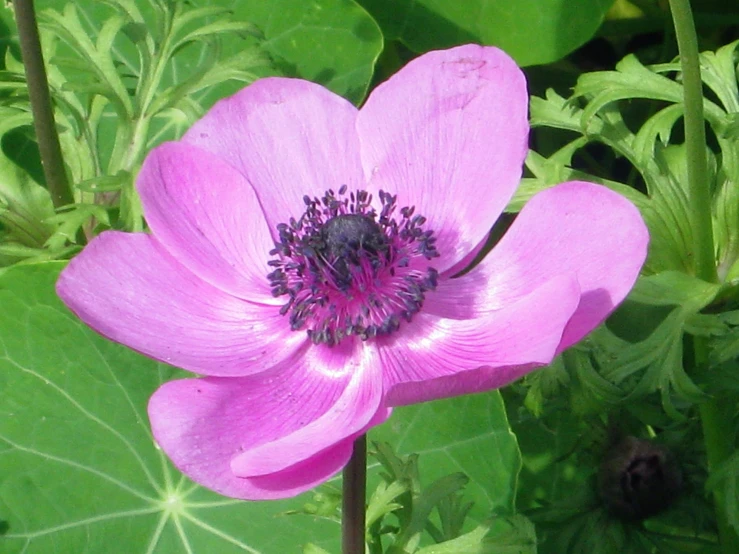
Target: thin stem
(717, 433)
(695, 141)
(716, 423)
(43, 113)
(354, 488)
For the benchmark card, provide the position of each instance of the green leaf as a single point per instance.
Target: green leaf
(652, 359)
(313, 549)
(515, 535)
(661, 164)
(724, 346)
(544, 384)
(382, 501)
(470, 434)
(79, 471)
(672, 288)
(25, 205)
(79, 468)
(331, 42)
(68, 26)
(726, 477)
(559, 26)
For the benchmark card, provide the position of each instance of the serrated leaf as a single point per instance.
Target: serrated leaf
(724, 346)
(25, 206)
(68, 27)
(651, 360)
(661, 165)
(514, 535)
(631, 79)
(655, 364)
(726, 477)
(470, 434)
(215, 29)
(545, 383)
(673, 288)
(382, 502)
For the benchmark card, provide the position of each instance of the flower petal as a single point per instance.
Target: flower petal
(448, 133)
(289, 138)
(129, 289)
(274, 434)
(349, 396)
(579, 229)
(207, 216)
(436, 357)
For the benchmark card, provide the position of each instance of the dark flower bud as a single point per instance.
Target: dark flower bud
(638, 479)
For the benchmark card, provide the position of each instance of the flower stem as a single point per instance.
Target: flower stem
(717, 434)
(695, 142)
(43, 113)
(353, 500)
(716, 422)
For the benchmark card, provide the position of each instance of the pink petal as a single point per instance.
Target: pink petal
(129, 289)
(436, 357)
(274, 434)
(289, 138)
(578, 229)
(207, 216)
(448, 133)
(355, 373)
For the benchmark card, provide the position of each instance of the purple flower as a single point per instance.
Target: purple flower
(303, 254)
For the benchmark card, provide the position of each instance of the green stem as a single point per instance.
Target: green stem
(43, 113)
(695, 142)
(716, 422)
(353, 510)
(717, 432)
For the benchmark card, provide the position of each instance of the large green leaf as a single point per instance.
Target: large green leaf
(79, 471)
(532, 31)
(331, 42)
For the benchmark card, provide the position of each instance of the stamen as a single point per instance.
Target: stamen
(349, 271)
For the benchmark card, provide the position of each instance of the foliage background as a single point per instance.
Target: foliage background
(79, 471)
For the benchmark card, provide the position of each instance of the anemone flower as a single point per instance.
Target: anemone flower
(304, 260)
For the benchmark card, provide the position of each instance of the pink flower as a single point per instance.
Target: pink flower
(303, 254)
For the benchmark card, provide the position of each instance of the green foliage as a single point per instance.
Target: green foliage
(25, 206)
(637, 373)
(594, 114)
(80, 468)
(124, 76)
(471, 434)
(331, 42)
(641, 350)
(727, 477)
(401, 495)
(424, 25)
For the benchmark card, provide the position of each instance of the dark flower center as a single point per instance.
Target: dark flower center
(346, 239)
(348, 270)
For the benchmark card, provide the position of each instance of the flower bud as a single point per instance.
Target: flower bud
(638, 479)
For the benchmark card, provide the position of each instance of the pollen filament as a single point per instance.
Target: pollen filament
(348, 270)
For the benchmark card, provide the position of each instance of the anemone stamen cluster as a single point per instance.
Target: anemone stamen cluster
(349, 270)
